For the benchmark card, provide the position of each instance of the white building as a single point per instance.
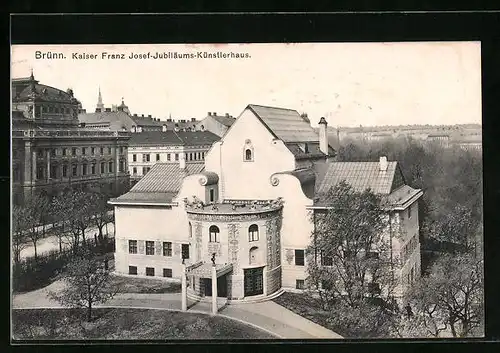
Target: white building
(250, 205)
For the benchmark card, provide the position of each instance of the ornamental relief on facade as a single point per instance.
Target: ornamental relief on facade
(198, 238)
(231, 218)
(289, 256)
(233, 240)
(214, 248)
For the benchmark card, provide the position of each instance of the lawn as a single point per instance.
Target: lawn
(126, 324)
(347, 322)
(145, 285)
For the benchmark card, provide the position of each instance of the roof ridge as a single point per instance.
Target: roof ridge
(268, 106)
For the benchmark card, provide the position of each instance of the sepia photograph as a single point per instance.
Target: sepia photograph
(277, 191)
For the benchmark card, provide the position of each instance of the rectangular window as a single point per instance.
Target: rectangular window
(53, 172)
(168, 156)
(150, 247)
(190, 156)
(134, 170)
(75, 170)
(202, 155)
(299, 257)
(84, 151)
(109, 150)
(157, 157)
(64, 151)
(167, 248)
(132, 270)
(84, 169)
(150, 271)
(132, 246)
(93, 168)
(73, 151)
(110, 165)
(145, 158)
(185, 251)
(212, 195)
(167, 272)
(65, 171)
(53, 152)
(121, 166)
(144, 170)
(39, 172)
(103, 167)
(92, 150)
(177, 156)
(121, 149)
(39, 153)
(299, 284)
(101, 150)
(134, 158)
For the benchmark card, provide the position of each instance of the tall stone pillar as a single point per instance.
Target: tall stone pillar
(48, 176)
(33, 166)
(27, 174)
(215, 309)
(184, 287)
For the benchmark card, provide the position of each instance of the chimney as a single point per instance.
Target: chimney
(134, 129)
(383, 164)
(323, 136)
(108, 110)
(182, 161)
(97, 110)
(164, 127)
(139, 129)
(209, 113)
(142, 115)
(214, 114)
(227, 115)
(135, 115)
(193, 119)
(149, 116)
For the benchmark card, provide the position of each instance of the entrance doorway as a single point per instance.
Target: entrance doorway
(221, 286)
(253, 281)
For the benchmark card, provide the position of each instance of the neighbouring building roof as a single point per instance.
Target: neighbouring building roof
(146, 121)
(313, 150)
(366, 175)
(160, 185)
(285, 124)
(224, 120)
(170, 137)
(117, 120)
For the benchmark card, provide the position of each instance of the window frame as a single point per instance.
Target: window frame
(185, 251)
(167, 248)
(147, 249)
(132, 246)
(302, 284)
(303, 257)
(213, 236)
(150, 271)
(166, 272)
(253, 234)
(131, 272)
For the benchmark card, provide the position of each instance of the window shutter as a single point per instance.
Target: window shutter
(158, 246)
(140, 247)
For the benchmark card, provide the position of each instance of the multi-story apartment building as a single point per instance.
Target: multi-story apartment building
(167, 146)
(50, 152)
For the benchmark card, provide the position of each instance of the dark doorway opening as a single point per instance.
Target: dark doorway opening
(254, 284)
(221, 286)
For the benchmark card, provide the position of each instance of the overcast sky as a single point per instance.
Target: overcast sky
(350, 84)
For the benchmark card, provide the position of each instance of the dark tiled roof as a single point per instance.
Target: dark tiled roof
(313, 150)
(155, 138)
(285, 124)
(360, 175)
(224, 120)
(401, 195)
(43, 92)
(169, 137)
(146, 121)
(117, 120)
(194, 138)
(161, 183)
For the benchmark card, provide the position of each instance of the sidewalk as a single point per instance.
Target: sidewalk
(268, 316)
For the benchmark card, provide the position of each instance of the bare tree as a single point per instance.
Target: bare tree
(35, 210)
(350, 234)
(452, 296)
(88, 283)
(19, 238)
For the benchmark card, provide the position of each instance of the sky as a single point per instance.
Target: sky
(350, 84)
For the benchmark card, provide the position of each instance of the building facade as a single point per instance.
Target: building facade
(167, 146)
(50, 152)
(247, 210)
(217, 124)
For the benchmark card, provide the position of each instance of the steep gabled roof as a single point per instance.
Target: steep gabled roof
(173, 138)
(285, 124)
(160, 185)
(224, 120)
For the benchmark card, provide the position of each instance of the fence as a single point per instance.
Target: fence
(30, 274)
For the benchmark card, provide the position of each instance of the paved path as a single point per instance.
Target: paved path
(268, 316)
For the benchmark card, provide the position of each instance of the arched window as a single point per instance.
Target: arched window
(254, 256)
(253, 233)
(248, 154)
(213, 234)
(190, 230)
